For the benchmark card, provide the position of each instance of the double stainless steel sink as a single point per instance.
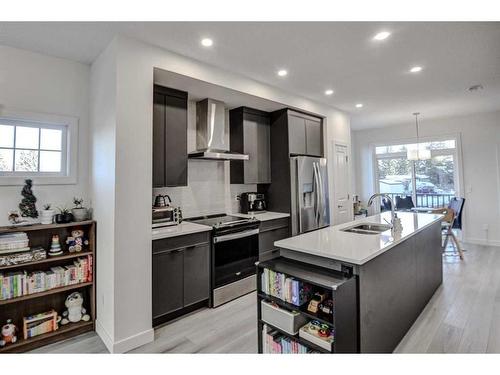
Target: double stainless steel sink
(367, 228)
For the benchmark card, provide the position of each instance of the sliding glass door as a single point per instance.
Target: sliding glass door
(429, 183)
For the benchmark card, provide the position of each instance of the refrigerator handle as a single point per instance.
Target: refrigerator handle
(317, 188)
(322, 195)
(298, 196)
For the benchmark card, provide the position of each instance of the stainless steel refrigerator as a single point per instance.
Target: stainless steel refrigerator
(309, 187)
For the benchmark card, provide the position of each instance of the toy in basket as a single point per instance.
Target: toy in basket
(39, 324)
(318, 333)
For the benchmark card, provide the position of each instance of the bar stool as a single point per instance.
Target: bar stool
(447, 229)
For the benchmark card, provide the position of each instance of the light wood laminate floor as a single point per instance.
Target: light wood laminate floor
(462, 317)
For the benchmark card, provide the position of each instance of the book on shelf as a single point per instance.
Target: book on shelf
(14, 242)
(274, 342)
(21, 283)
(286, 288)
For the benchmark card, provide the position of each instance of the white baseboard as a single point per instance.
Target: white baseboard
(134, 341)
(104, 335)
(127, 344)
(480, 241)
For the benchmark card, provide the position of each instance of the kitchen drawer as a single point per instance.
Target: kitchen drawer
(178, 242)
(287, 321)
(267, 239)
(274, 224)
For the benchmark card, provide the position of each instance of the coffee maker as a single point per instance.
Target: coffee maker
(252, 203)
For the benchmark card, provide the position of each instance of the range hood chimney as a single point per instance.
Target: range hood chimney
(212, 133)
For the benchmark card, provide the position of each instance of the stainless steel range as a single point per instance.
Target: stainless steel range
(235, 249)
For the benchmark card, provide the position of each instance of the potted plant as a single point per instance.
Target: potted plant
(79, 212)
(64, 216)
(47, 214)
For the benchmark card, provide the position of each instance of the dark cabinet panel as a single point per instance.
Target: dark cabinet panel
(250, 134)
(169, 137)
(159, 140)
(296, 134)
(267, 239)
(314, 139)
(176, 156)
(167, 282)
(196, 274)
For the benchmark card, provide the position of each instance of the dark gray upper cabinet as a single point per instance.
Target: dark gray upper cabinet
(296, 134)
(250, 134)
(169, 137)
(314, 139)
(305, 134)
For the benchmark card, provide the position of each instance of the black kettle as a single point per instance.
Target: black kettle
(160, 200)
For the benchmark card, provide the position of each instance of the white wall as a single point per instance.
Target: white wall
(37, 83)
(133, 175)
(480, 135)
(102, 183)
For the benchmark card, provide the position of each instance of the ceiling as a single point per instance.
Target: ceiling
(318, 56)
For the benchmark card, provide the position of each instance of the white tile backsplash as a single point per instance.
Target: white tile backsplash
(208, 191)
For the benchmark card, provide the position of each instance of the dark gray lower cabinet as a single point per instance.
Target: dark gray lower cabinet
(196, 274)
(167, 282)
(269, 232)
(181, 275)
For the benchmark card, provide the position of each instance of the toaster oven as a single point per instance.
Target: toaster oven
(166, 216)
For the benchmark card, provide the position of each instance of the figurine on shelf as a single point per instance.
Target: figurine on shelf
(315, 301)
(76, 241)
(75, 310)
(9, 333)
(15, 218)
(55, 246)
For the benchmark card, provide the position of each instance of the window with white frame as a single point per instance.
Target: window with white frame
(430, 183)
(39, 146)
(32, 149)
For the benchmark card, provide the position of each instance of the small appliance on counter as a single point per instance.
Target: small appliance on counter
(252, 203)
(164, 214)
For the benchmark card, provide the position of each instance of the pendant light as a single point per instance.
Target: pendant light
(417, 151)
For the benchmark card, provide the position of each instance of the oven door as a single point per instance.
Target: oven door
(235, 255)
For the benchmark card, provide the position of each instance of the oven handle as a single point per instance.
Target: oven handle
(233, 236)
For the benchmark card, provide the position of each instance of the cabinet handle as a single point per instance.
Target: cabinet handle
(238, 273)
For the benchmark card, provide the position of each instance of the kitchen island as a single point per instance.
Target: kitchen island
(396, 275)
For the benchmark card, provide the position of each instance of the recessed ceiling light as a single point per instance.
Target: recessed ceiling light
(382, 35)
(282, 72)
(207, 42)
(329, 92)
(416, 69)
(359, 105)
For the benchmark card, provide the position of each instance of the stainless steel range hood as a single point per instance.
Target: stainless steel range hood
(212, 133)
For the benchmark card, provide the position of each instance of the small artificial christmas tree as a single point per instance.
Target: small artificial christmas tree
(27, 205)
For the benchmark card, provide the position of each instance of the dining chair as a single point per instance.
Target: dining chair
(447, 229)
(457, 204)
(404, 203)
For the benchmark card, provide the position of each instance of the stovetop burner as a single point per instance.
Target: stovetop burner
(221, 221)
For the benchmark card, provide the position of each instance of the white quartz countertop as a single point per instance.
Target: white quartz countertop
(355, 248)
(265, 216)
(178, 230)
